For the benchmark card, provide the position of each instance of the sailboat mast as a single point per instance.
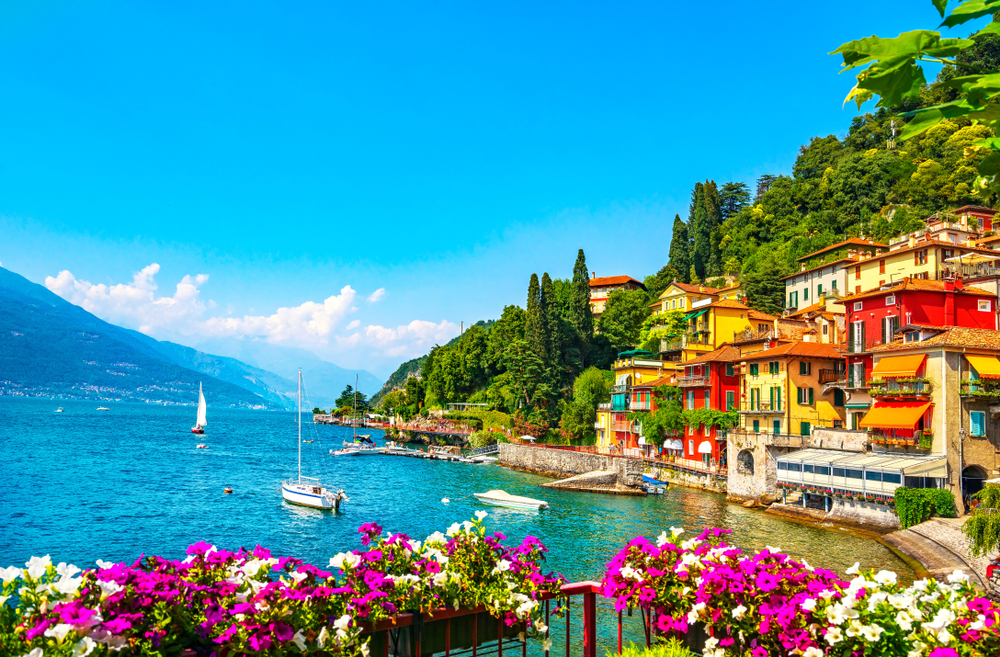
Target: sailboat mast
(354, 422)
(300, 426)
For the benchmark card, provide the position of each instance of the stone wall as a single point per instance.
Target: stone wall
(561, 463)
(864, 514)
(704, 481)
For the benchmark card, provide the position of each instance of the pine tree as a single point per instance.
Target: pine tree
(534, 328)
(581, 315)
(680, 249)
(551, 323)
(734, 196)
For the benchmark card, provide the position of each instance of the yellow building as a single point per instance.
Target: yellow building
(682, 297)
(928, 259)
(781, 390)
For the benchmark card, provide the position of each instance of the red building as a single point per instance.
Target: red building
(601, 288)
(710, 381)
(874, 318)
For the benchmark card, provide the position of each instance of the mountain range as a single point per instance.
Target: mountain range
(50, 347)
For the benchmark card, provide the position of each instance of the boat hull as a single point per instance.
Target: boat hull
(511, 504)
(344, 452)
(298, 495)
(198, 431)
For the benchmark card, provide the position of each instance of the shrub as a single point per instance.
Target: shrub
(917, 505)
(482, 439)
(672, 648)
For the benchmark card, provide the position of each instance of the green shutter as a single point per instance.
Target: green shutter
(811, 396)
(772, 399)
(805, 428)
(756, 426)
(777, 427)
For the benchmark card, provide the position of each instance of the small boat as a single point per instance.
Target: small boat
(59, 410)
(103, 408)
(307, 441)
(502, 498)
(308, 491)
(199, 427)
(202, 446)
(227, 490)
(347, 451)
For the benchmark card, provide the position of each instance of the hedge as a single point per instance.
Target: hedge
(917, 505)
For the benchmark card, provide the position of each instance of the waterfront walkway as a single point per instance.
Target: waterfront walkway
(941, 547)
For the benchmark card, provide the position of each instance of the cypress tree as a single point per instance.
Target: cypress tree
(680, 249)
(701, 233)
(581, 314)
(713, 220)
(534, 327)
(551, 317)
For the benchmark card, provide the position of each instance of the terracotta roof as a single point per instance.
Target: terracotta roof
(800, 349)
(851, 259)
(975, 208)
(923, 244)
(809, 309)
(854, 241)
(948, 336)
(916, 284)
(614, 280)
(756, 314)
(734, 286)
(988, 240)
(662, 381)
(697, 289)
(728, 303)
(724, 354)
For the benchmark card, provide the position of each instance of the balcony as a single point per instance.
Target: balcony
(604, 407)
(762, 408)
(901, 387)
(621, 426)
(639, 406)
(979, 389)
(832, 376)
(689, 381)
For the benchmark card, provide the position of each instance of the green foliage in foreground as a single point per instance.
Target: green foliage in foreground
(917, 505)
(983, 526)
(672, 648)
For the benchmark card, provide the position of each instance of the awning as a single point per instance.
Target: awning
(937, 469)
(894, 366)
(858, 406)
(705, 448)
(895, 415)
(673, 444)
(695, 314)
(988, 367)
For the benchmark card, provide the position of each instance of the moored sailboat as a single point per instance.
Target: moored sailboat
(200, 425)
(309, 491)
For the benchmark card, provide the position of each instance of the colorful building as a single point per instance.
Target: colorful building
(601, 289)
(631, 369)
(711, 381)
(825, 271)
(875, 318)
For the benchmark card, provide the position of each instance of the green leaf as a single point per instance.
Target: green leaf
(992, 28)
(906, 45)
(990, 166)
(992, 142)
(940, 5)
(970, 10)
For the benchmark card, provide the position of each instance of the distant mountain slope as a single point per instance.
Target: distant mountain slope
(324, 380)
(48, 346)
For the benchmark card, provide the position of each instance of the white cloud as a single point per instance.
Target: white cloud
(135, 303)
(353, 325)
(411, 339)
(308, 324)
(376, 295)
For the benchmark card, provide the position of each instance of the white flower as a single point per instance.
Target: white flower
(322, 638)
(345, 559)
(812, 651)
(104, 564)
(108, 588)
(546, 645)
(772, 549)
(64, 570)
(944, 636)
(454, 529)
(83, 647)
(365, 650)
(467, 525)
(809, 604)
(885, 577)
(297, 576)
(300, 641)
(920, 585)
(676, 531)
(440, 578)
(503, 564)
(68, 585)
(871, 632)
(855, 569)
(826, 594)
(690, 544)
(943, 619)
(8, 575)
(481, 514)
(834, 635)
(36, 652)
(437, 537)
(38, 565)
(252, 567)
(341, 625)
(662, 539)
(540, 625)
(905, 621)
(958, 577)
(59, 631)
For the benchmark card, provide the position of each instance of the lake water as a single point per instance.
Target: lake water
(84, 485)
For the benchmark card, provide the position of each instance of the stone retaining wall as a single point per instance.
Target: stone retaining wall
(864, 514)
(561, 463)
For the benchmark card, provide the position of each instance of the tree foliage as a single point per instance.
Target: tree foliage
(621, 321)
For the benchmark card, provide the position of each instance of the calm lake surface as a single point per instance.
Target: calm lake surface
(84, 485)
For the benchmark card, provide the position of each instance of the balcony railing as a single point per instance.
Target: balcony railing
(763, 407)
(916, 387)
(639, 406)
(830, 376)
(699, 380)
(979, 389)
(621, 426)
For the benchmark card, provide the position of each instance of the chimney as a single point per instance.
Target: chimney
(802, 267)
(878, 252)
(912, 241)
(593, 274)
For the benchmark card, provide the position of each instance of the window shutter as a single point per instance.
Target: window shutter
(809, 369)
(862, 347)
(883, 331)
(810, 396)
(805, 428)
(772, 399)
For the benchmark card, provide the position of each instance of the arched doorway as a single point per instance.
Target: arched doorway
(972, 482)
(744, 462)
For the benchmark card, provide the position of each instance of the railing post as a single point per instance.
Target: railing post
(590, 624)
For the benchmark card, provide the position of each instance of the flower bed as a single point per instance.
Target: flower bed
(767, 604)
(248, 602)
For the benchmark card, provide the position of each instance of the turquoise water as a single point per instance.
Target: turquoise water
(85, 485)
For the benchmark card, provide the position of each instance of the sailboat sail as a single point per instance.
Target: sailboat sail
(201, 408)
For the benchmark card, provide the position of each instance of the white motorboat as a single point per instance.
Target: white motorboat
(103, 408)
(59, 410)
(346, 451)
(309, 491)
(502, 498)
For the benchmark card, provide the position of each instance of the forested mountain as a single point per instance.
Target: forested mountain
(49, 347)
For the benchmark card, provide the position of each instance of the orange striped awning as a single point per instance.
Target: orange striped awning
(988, 367)
(894, 366)
(895, 415)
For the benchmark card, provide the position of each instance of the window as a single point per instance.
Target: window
(819, 290)
(795, 467)
(805, 428)
(858, 305)
(872, 475)
(823, 470)
(890, 300)
(754, 367)
(890, 478)
(826, 329)
(690, 400)
(777, 427)
(890, 325)
(807, 468)
(857, 289)
(805, 294)
(920, 257)
(782, 465)
(730, 400)
(838, 397)
(691, 447)
(776, 399)
(805, 369)
(708, 398)
(772, 367)
(793, 300)
(729, 369)
(833, 284)
(691, 432)
(912, 336)
(985, 305)
(805, 396)
(756, 426)
(881, 266)
(857, 272)
(839, 472)
(852, 474)
(977, 422)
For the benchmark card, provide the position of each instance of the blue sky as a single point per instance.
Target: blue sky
(280, 155)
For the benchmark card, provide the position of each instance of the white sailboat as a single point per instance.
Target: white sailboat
(200, 425)
(308, 491)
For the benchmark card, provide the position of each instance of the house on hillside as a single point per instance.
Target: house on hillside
(825, 271)
(601, 288)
